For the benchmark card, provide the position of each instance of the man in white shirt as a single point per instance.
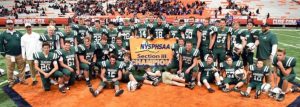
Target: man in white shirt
(30, 44)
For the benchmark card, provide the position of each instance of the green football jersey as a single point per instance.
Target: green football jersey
(266, 40)
(117, 50)
(175, 47)
(81, 33)
(112, 34)
(142, 30)
(221, 38)
(88, 53)
(206, 32)
(102, 52)
(68, 56)
(251, 36)
(187, 57)
(236, 36)
(289, 62)
(69, 37)
(258, 74)
(53, 41)
(111, 70)
(190, 33)
(160, 31)
(175, 32)
(128, 66)
(97, 34)
(229, 70)
(207, 69)
(45, 62)
(126, 32)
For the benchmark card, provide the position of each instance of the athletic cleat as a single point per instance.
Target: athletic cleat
(226, 90)
(139, 85)
(62, 89)
(119, 92)
(257, 93)
(221, 86)
(155, 83)
(67, 86)
(88, 83)
(236, 89)
(245, 94)
(93, 92)
(210, 90)
(34, 83)
(295, 89)
(281, 97)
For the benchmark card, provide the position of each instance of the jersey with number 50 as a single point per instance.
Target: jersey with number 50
(190, 33)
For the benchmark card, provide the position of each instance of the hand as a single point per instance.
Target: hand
(47, 75)
(104, 79)
(279, 63)
(179, 71)
(78, 72)
(187, 70)
(71, 69)
(214, 69)
(115, 79)
(148, 37)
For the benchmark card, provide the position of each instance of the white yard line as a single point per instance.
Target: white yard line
(6, 81)
(298, 78)
(284, 44)
(281, 34)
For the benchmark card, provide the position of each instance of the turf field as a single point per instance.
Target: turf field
(288, 39)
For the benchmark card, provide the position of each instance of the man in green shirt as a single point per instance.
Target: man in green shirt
(97, 32)
(119, 49)
(112, 33)
(81, 29)
(192, 33)
(207, 32)
(68, 35)
(126, 31)
(141, 29)
(267, 47)
(10, 48)
(284, 68)
(160, 30)
(174, 30)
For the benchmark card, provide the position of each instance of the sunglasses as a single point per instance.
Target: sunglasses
(28, 27)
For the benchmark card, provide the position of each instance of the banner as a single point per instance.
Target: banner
(155, 52)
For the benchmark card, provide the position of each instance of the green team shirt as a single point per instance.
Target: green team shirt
(174, 32)
(221, 38)
(126, 32)
(142, 30)
(68, 57)
(102, 52)
(97, 34)
(160, 31)
(205, 37)
(187, 57)
(207, 69)
(69, 37)
(190, 33)
(112, 34)
(88, 53)
(229, 70)
(251, 35)
(258, 74)
(150, 77)
(111, 71)
(175, 48)
(10, 43)
(117, 50)
(266, 40)
(53, 41)
(128, 66)
(289, 62)
(82, 30)
(236, 37)
(45, 62)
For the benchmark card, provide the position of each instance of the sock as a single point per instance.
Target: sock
(66, 82)
(87, 79)
(97, 91)
(60, 85)
(219, 83)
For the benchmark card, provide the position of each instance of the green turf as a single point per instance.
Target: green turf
(288, 39)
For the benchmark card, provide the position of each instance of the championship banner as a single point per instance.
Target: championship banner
(155, 52)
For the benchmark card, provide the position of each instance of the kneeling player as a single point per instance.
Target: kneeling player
(284, 67)
(258, 73)
(152, 76)
(111, 71)
(228, 69)
(46, 64)
(209, 73)
(127, 72)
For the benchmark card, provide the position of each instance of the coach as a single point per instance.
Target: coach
(267, 47)
(30, 43)
(10, 48)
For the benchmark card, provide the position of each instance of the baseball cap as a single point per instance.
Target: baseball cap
(9, 21)
(265, 25)
(27, 24)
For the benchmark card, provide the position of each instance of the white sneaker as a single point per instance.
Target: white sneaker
(53, 82)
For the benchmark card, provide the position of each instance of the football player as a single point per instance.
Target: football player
(112, 33)
(129, 72)
(82, 30)
(119, 48)
(284, 68)
(87, 58)
(111, 70)
(188, 63)
(68, 35)
(97, 32)
(69, 63)
(174, 30)
(103, 51)
(46, 64)
(209, 74)
(228, 69)
(51, 38)
(192, 33)
(141, 29)
(236, 35)
(126, 31)
(207, 32)
(152, 75)
(160, 30)
(257, 74)
(174, 61)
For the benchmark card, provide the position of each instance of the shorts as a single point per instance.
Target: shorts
(167, 78)
(256, 85)
(232, 81)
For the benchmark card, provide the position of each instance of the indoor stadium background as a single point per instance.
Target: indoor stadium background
(282, 15)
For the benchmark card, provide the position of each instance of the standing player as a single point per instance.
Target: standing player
(69, 62)
(81, 29)
(207, 32)
(174, 61)
(209, 74)
(112, 33)
(46, 64)
(191, 33)
(284, 68)
(119, 49)
(188, 63)
(249, 36)
(174, 30)
(51, 38)
(228, 69)
(87, 58)
(236, 35)
(126, 32)
(97, 32)
(111, 70)
(222, 41)
(160, 30)
(258, 73)
(142, 30)
(103, 51)
(68, 35)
